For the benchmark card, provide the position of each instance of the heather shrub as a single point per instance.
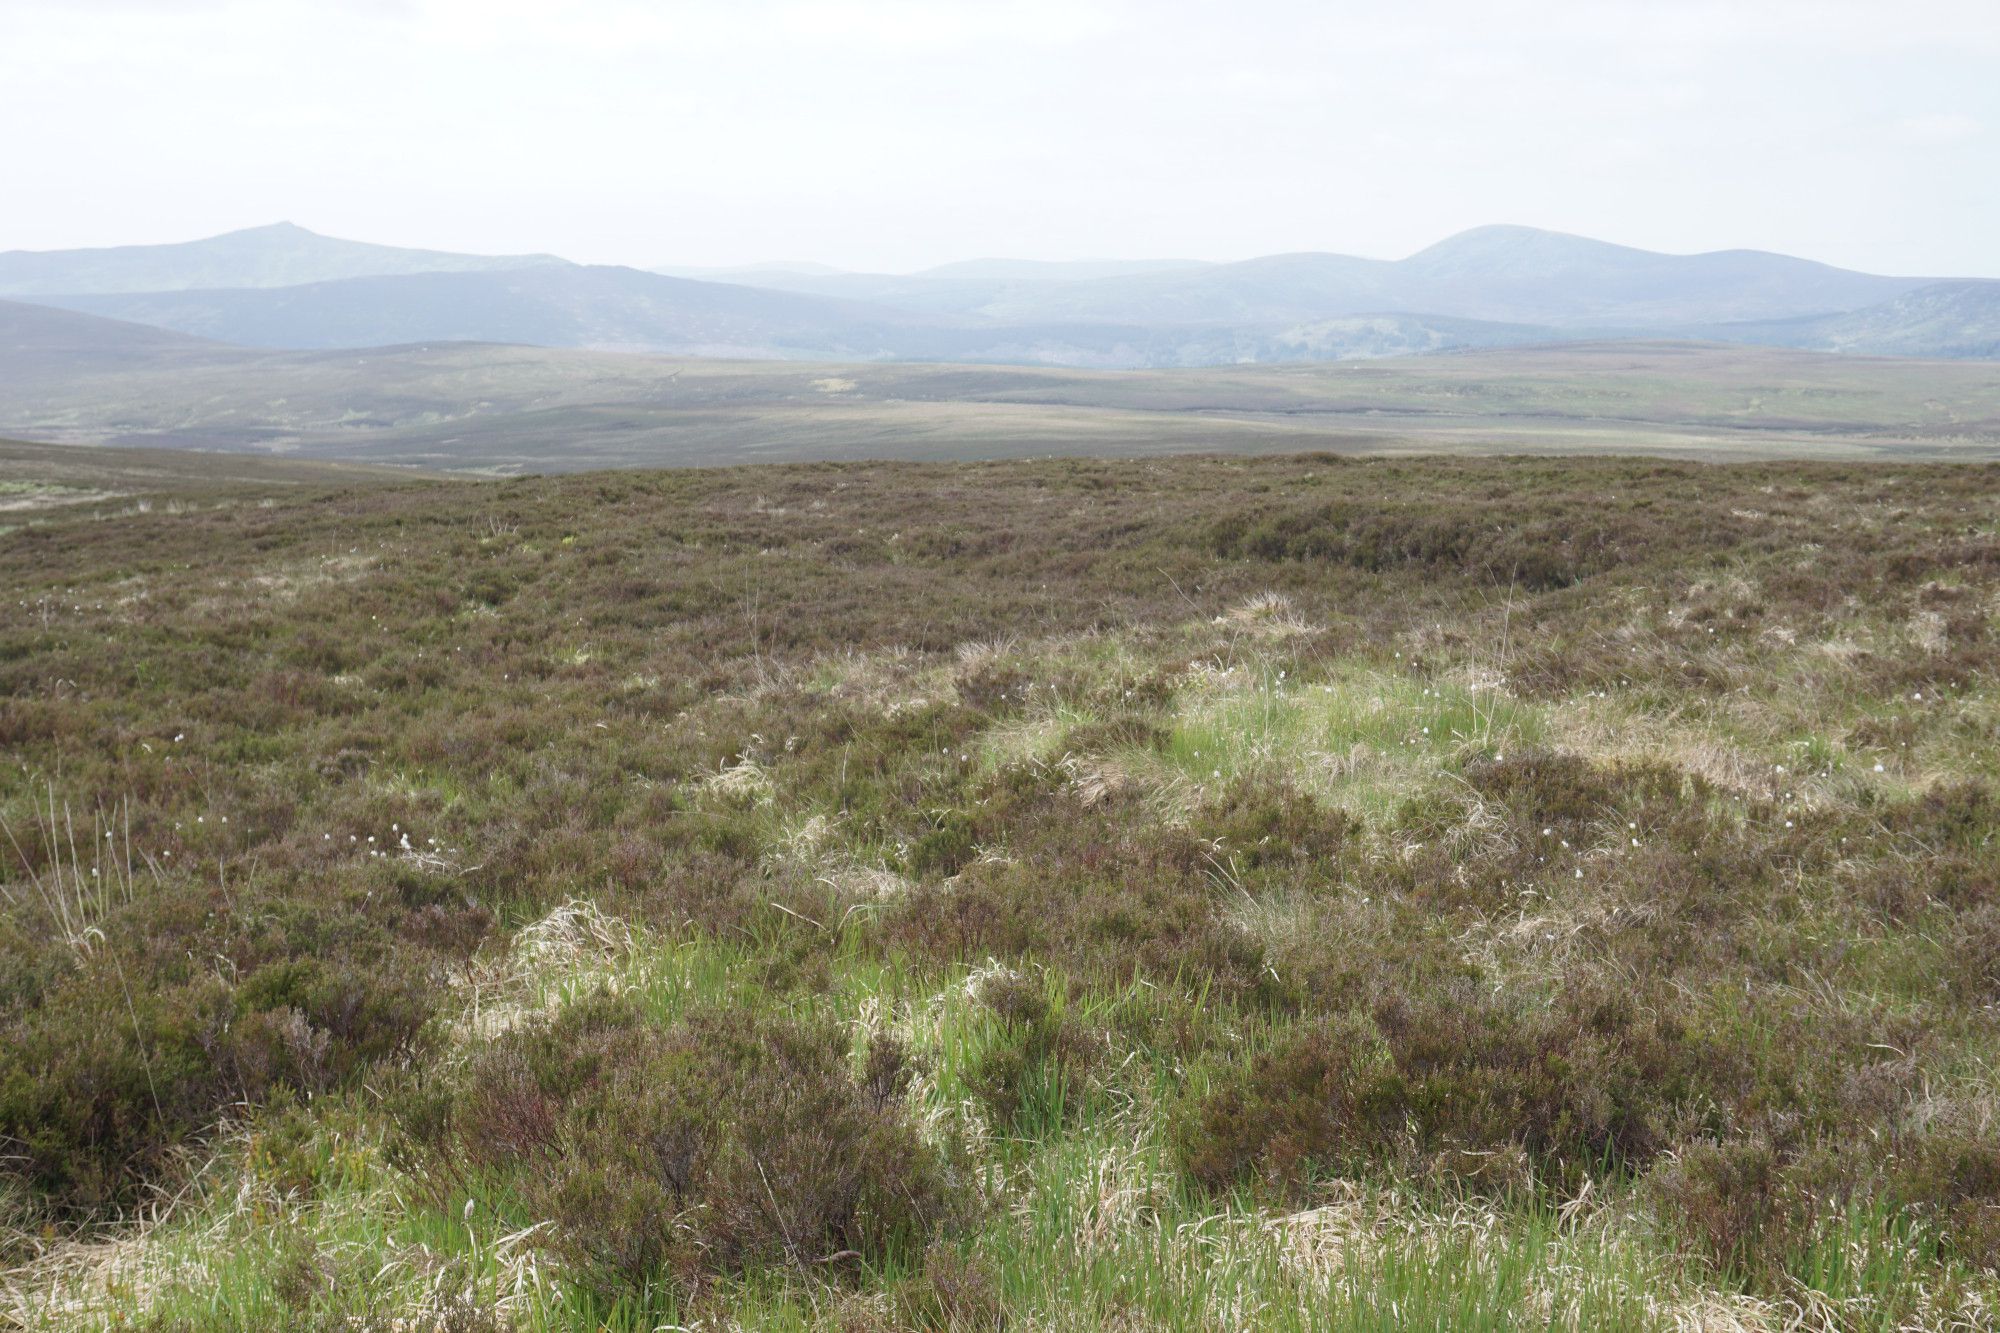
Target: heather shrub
(1030, 1078)
(955, 1293)
(1692, 988)
(1539, 545)
(1453, 1081)
(1106, 901)
(1949, 1175)
(120, 1055)
(946, 846)
(1270, 822)
(1319, 1102)
(1733, 1204)
(725, 1142)
(1773, 1219)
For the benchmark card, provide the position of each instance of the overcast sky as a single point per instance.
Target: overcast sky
(892, 134)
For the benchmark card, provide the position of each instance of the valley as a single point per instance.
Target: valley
(66, 377)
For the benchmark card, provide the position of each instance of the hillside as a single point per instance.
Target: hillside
(606, 308)
(40, 346)
(1521, 273)
(1303, 894)
(41, 480)
(280, 255)
(1952, 319)
(551, 305)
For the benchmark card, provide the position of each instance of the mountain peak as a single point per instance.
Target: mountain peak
(1504, 233)
(271, 231)
(1516, 248)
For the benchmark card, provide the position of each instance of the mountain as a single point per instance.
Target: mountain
(552, 305)
(966, 284)
(1489, 287)
(1505, 274)
(975, 289)
(38, 341)
(1958, 320)
(620, 309)
(1502, 274)
(280, 255)
(1273, 289)
(1522, 273)
(625, 309)
(909, 292)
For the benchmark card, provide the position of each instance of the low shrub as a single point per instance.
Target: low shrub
(955, 1293)
(1270, 822)
(1028, 1081)
(1731, 1202)
(1104, 903)
(1456, 1082)
(125, 1053)
(726, 1142)
(1949, 1175)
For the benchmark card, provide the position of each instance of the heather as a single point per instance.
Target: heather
(1295, 892)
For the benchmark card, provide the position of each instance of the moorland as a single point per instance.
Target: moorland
(1290, 891)
(497, 409)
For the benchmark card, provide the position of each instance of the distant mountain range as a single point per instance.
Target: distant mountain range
(280, 255)
(284, 287)
(1512, 275)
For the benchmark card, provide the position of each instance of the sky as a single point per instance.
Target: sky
(888, 135)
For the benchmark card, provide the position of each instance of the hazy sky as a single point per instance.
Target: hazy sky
(890, 134)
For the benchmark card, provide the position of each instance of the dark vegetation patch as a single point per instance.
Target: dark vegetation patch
(724, 1143)
(1516, 537)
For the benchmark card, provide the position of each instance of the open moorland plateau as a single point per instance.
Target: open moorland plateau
(504, 409)
(1293, 891)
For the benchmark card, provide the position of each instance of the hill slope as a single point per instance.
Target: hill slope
(549, 305)
(280, 255)
(1522, 273)
(40, 342)
(1948, 319)
(1504, 274)
(627, 310)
